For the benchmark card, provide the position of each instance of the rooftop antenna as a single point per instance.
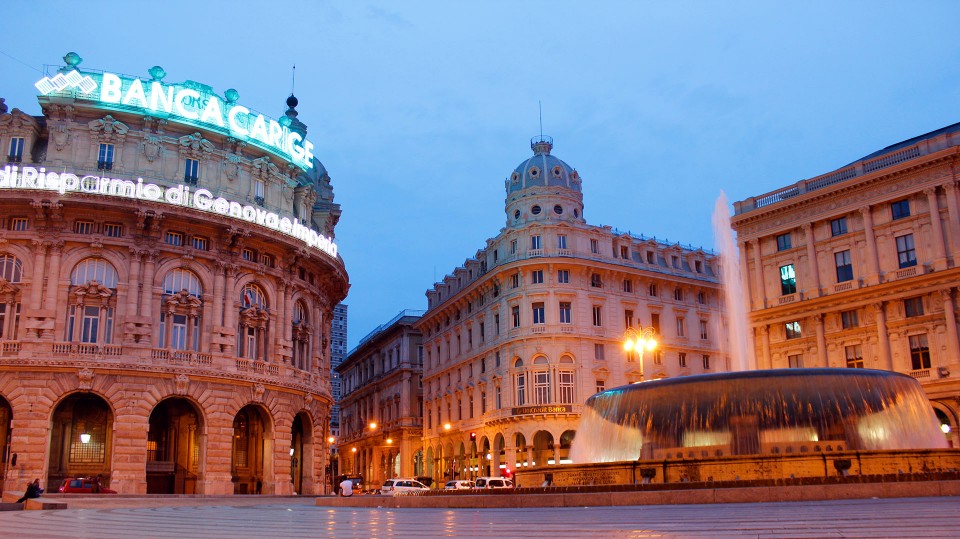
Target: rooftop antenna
(293, 81)
(540, 106)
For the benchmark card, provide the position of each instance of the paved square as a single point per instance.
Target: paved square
(298, 517)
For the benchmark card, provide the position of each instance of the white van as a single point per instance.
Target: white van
(493, 482)
(458, 485)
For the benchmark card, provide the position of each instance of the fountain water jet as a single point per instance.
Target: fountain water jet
(739, 348)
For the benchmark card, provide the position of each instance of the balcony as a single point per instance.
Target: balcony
(789, 298)
(923, 373)
(905, 273)
(71, 349)
(535, 252)
(843, 287)
(9, 348)
(258, 367)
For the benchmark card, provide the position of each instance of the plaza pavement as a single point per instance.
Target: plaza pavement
(288, 517)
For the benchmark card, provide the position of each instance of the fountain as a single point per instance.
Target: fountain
(750, 425)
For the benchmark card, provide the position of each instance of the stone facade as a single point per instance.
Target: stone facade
(859, 268)
(163, 348)
(524, 332)
(382, 403)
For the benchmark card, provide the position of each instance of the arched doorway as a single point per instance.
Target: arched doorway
(81, 439)
(6, 418)
(297, 438)
(566, 442)
(252, 447)
(542, 448)
(173, 448)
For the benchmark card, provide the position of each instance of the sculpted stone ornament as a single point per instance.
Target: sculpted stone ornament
(108, 128)
(258, 391)
(85, 377)
(231, 167)
(93, 289)
(61, 137)
(151, 147)
(182, 382)
(195, 144)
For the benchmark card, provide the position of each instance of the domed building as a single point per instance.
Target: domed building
(168, 276)
(525, 331)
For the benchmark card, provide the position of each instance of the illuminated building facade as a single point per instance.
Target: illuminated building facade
(859, 268)
(168, 278)
(524, 332)
(381, 426)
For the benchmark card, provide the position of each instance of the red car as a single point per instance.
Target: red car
(84, 485)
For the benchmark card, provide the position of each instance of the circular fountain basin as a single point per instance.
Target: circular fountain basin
(766, 412)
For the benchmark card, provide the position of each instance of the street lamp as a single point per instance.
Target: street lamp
(638, 339)
(447, 426)
(373, 425)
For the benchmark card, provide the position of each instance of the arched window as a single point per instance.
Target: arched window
(541, 380)
(301, 337)
(252, 333)
(180, 311)
(521, 377)
(11, 272)
(566, 380)
(93, 299)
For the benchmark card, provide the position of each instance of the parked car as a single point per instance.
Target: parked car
(391, 487)
(493, 482)
(459, 485)
(84, 485)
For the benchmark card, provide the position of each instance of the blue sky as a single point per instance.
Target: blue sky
(420, 110)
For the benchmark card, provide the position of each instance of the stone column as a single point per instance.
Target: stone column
(873, 263)
(168, 329)
(822, 359)
(230, 291)
(883, 338)
(218, 293)
(133, 283)
(146, 303)
(758, 272)
(939, 243)
(745, 275)
(766, 361)
(953, 213)
(812, 267)
(36, 286)
(950, 317)
(53, 279)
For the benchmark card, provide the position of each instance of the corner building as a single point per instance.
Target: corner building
(859, 268)
(165, 296)
(382, 405)
(524, 332)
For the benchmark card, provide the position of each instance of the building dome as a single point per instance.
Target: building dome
(543, 188)
(543, 169)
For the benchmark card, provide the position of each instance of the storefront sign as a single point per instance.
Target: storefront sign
(190, 103)
(555, 409)
(30, 178)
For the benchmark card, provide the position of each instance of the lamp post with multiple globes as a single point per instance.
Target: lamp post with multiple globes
(638, 339)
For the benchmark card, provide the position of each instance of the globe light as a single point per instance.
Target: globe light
(373, 425)
(447, 426)
(84, 438)
(945, 428)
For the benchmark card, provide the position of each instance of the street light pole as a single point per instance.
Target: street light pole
(639, 339)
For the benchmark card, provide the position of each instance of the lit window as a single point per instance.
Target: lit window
(900, 209)
(844, 266)
(793, 330)
(838, 226)
(788, 280)
(906, 254)
(854, 356)
(919, 352)
(105, 157)
(783, 242)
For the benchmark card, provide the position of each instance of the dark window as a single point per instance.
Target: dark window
(838, 226)
(191, 171)
(844, 267)
(682, 358)
(913, 307)
(595, 281)
(105, 157)
(783, 242)
(849, 319)
(16, 150)
(900, 209)
(906, 254)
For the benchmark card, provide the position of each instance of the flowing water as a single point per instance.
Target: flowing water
(738, 331)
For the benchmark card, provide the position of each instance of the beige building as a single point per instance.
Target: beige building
(381, 424)
(524, 332)
(858, 268)
(167, 283)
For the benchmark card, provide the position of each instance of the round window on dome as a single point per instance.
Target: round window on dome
(558, 209)
(516, 214)
(557, 171)
(515, 177)
(535, 210)
(576, 213)
(534, 171)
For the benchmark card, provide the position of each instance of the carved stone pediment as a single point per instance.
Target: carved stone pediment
(92, 290)
(8, 289)
(108, 129)
(183, 299)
